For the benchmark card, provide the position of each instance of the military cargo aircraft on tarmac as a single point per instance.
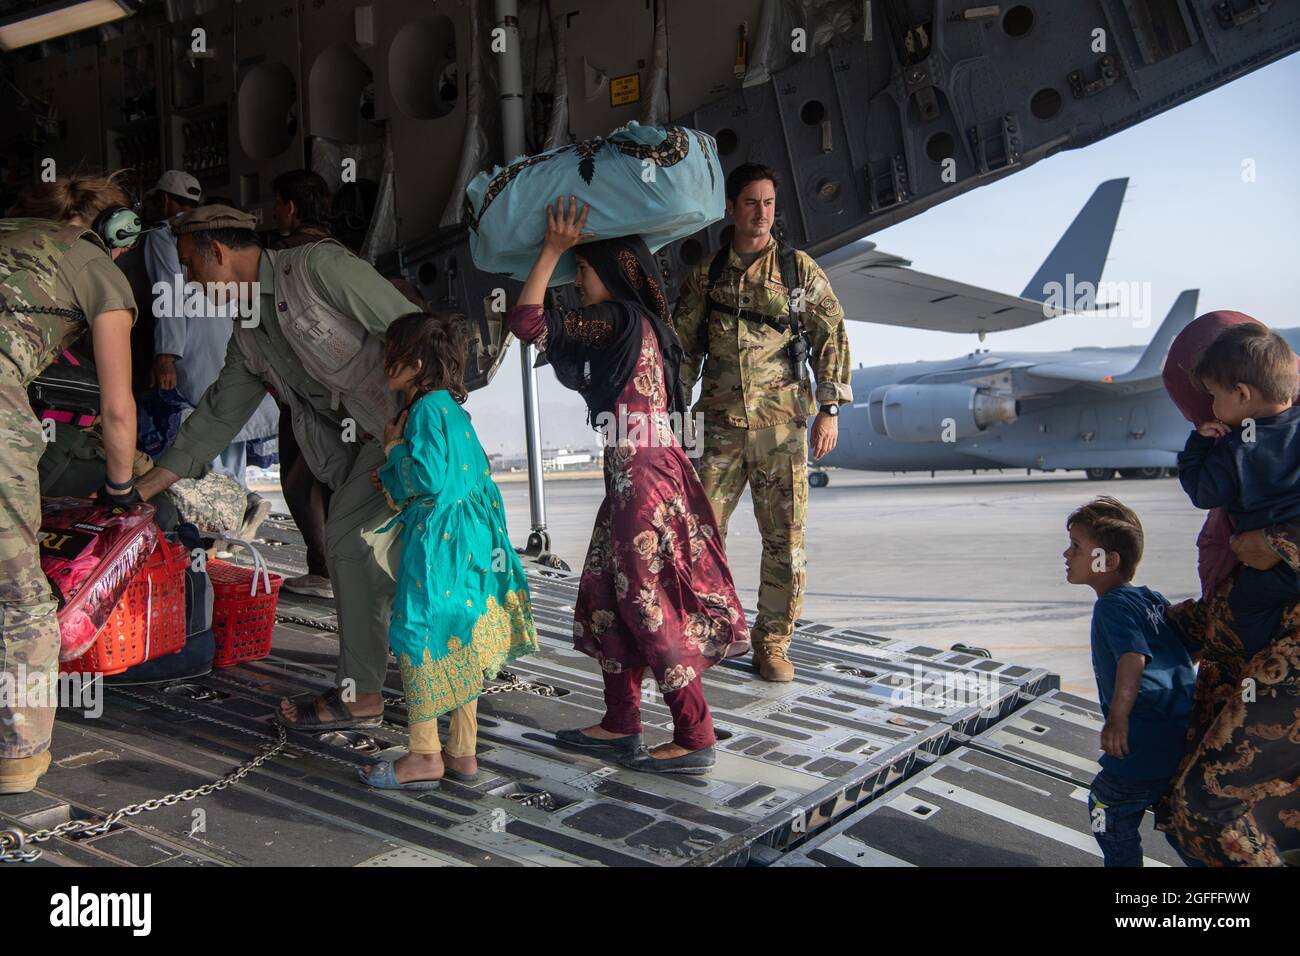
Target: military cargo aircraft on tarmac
(1102, 410)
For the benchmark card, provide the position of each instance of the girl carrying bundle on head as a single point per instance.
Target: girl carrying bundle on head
(462, 607)
(656, 592)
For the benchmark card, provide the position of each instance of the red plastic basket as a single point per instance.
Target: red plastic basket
(241, 623)
(148, 622)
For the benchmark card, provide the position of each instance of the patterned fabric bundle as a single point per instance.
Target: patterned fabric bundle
(90, 552)
(662, 184)
(214, 503)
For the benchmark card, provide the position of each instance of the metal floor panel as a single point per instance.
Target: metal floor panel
(971, 809)
(1057, 733)
(792, 757)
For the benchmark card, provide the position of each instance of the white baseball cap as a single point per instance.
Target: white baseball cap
(180, 184)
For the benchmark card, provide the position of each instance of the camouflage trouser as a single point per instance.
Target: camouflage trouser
(214, 503)
(29, 628)
(773, 461)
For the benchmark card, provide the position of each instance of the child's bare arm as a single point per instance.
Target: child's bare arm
(1128, 680)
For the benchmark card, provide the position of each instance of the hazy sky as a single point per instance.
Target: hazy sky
(1188, 221)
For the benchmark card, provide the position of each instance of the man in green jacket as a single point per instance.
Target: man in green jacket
(310, 330)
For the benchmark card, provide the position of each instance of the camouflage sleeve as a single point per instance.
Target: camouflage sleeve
(1285, 540)
(228, 403)
(824, 320)
(690, 319)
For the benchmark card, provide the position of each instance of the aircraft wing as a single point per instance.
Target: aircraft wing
(882, 288)
(875, 286)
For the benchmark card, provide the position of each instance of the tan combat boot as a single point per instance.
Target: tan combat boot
(772, 660)
(20, 774)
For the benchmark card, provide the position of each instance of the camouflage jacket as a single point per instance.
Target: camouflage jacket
(747, 375)
(30, 253)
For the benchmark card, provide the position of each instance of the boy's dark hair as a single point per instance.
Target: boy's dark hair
(308, 192)
(747, 173)
(1252, 355)
(437, 341)
(1115, 527)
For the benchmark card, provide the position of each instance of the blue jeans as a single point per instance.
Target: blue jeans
(1115, 808)
(233, 461)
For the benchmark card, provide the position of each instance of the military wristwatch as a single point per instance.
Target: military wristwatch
(832, 409)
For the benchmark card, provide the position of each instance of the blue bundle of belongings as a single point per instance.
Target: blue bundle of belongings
(159, 415)
(660, 183)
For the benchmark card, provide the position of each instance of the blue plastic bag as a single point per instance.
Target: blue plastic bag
(661, 183)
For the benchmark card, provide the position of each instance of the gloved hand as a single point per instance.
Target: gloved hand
(106, 496)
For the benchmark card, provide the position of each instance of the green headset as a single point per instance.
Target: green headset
(118, 226)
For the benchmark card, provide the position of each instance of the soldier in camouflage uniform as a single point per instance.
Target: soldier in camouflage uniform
(754, 409)
(56, 280)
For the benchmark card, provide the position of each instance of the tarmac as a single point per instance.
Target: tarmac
(959, 558)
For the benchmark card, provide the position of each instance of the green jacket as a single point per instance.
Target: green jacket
(343, 282)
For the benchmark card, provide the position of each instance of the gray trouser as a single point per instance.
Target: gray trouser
(361, 574)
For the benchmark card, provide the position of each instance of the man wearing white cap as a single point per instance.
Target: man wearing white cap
(190, 350)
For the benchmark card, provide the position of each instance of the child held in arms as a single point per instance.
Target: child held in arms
(1144, 677)
(1248, 461)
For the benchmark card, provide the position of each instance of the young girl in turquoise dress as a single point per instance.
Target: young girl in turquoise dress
(462, 607)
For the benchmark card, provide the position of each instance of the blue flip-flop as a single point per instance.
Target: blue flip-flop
(382, 777)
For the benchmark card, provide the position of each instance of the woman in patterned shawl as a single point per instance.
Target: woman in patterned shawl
(1235, 798)
(656, 592)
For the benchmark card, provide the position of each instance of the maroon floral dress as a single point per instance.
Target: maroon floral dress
(656, 590)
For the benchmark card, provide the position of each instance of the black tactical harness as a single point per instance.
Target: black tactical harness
(788, 264)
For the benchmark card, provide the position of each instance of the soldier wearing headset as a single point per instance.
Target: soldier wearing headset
(57, 282)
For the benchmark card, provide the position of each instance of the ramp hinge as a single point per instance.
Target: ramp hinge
(1107, 76)
(1230, 17)
(894, 180)
(1009, 132)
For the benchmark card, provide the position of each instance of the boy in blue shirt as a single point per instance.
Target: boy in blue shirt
(1144, 677)
(1248, 461)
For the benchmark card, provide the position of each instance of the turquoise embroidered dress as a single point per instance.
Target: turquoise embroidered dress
(462, 607)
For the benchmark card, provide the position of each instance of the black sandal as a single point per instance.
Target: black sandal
(340, 717)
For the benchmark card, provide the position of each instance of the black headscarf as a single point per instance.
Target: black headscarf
(629, 272)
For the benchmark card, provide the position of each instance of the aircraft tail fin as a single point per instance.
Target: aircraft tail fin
(1082, 249)
(1152, 362)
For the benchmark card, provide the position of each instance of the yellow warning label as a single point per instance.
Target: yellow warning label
(625, 89)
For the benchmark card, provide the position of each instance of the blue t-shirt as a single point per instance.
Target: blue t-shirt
(1131, 620)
